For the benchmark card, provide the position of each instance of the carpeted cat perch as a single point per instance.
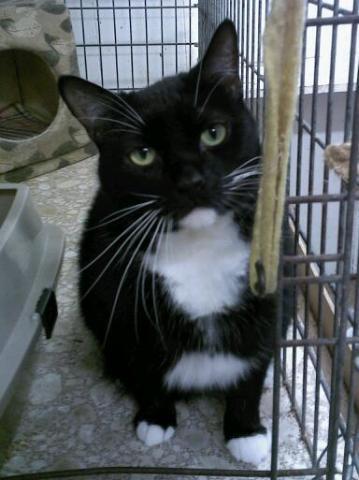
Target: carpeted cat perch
(337, 157)
(282, 49)
(37, 132)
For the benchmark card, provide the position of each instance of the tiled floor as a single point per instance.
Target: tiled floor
(66, 415)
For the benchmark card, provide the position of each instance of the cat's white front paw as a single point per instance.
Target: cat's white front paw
(268, 381)
(151, 434)
(253, 449)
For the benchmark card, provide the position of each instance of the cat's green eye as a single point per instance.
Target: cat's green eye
(214, 135)
(143, 156)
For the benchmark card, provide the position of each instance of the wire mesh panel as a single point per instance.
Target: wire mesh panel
(128, 44)
(319, 355)
(323, 217)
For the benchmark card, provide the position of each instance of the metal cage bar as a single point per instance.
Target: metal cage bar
(323, 274)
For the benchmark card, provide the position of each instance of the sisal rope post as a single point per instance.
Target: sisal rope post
(282, 53)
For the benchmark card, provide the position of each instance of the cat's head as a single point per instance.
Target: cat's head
(188, 139)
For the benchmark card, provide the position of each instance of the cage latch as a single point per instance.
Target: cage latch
(46, 308)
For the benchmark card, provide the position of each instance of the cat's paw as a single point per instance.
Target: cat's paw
(151, 434)
(268, 381)
(253, 449)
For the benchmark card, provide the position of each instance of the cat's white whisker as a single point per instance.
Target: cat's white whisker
(138, 281)
(210, 95)
(155, 310)
(141, 278)
(240, 184)
(242, 176)
(128, 211)
(114, 242)
(247, 168)
(129, 126)
(112, 120)
(124, 275)
(120, 111)
(125, 209)
(251, 160)
(149, 221)
(169, 225)
(233, 186)
(238, 194)
(143, 293)
(146, 195)
(122, 130)
(241, 189)
(130, 109)
(238, 206)
(246, 195)
(197, 84)
(133, 236)
(249, 175)
(118, 104)
(128, 249)
(244, 165)
(245, 192)
(239, 176)
(240, 171)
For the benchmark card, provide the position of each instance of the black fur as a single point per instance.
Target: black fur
(184, 175)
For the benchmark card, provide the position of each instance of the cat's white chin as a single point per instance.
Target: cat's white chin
(199, 218)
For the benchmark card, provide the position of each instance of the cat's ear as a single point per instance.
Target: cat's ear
(221, 57)
(88, 102)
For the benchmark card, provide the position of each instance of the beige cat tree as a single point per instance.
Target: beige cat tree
(37, 132)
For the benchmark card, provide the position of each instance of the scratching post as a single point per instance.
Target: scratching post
(37, 132)
(282, 48)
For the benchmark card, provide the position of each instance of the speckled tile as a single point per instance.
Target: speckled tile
(66, 414)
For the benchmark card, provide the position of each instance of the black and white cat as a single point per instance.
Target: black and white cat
(164, 256)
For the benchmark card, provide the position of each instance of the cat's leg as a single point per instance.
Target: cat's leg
(155, 421)
(247, 439)
(268, 381)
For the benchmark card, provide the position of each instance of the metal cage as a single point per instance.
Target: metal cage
(127, 44)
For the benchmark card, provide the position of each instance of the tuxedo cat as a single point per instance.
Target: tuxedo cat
(165, 250)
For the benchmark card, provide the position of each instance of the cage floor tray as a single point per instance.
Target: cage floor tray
(30, 258)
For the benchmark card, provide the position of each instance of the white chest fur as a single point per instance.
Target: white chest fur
(202, 264)
(197, 370)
